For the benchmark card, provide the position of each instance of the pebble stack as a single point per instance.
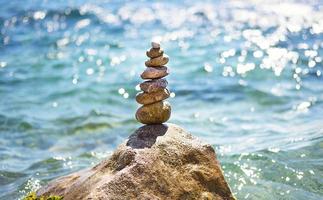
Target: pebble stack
(154, 109)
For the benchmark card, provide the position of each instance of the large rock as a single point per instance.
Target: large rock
(156, 162)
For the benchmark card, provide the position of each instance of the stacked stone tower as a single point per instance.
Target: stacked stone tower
(154, 110)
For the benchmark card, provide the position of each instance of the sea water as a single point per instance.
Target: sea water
(246, 76)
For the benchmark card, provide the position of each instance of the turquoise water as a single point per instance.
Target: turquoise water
(245, 76)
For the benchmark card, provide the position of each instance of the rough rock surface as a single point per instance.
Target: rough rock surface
(156, 162)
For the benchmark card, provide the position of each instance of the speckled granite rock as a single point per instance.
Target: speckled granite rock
(157, 162)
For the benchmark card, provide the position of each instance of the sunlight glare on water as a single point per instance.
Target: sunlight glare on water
(246, 76)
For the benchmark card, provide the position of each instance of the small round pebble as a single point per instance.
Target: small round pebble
(154, 53)
(153, 73)
(155, 44)
(155, 113)
(153, 85)
(157, 62)
(149, 98)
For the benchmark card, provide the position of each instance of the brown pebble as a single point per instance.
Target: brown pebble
(153, 85)
(155, 113)
(157, 62)
(149, 98)
(154, 72)
(154, 53)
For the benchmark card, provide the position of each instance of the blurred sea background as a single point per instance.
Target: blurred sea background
(246, 76)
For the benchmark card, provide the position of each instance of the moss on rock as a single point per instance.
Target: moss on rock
(33, 196)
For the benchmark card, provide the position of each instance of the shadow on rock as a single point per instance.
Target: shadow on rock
(145, 136)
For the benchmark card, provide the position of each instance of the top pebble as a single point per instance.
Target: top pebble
(155, 44)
